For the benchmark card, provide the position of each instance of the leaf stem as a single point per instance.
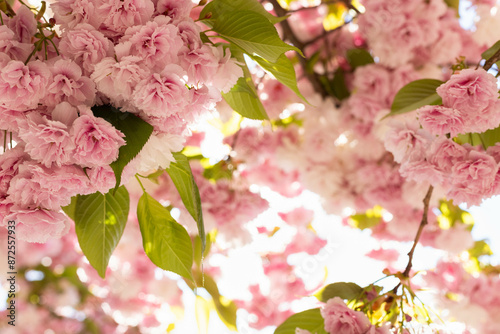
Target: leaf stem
(140, 183)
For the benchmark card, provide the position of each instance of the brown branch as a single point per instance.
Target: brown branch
(325, 34)
(492, 60)
(423, 222)
(289, 35)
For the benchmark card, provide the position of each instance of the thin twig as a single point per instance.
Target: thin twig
(325, 34)
(492, 60)
(423, 222)
(288, 34)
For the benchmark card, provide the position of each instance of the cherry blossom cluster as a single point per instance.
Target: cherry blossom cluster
(144, 57)
(415, 32)
(467, 173)
(472, 298)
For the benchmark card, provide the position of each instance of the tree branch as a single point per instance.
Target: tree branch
(492, 60)
(288, 34)
(423, 222)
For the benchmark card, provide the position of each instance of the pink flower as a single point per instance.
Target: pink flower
(299, 217)
(47, 141)
(200, 64)
(69, 85)
(97, 141)
(445, 153)
(23, 24)
(23, 86)
(85, 46)
(406, 142)
(9, 166)
(156, 43)
(473, 178)
(38, 187)
(440, 120)
(176, 9)
(117, 80)
(228, 72)
(374, 80)
(65, 113)
(189, 31)
(162, 94)
(119, 15)
(69, 13)
(102, 179)
(12, 47)
(39, 225)
(341, 319)
(470, 91)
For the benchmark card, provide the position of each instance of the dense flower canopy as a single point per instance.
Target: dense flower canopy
(160, 153)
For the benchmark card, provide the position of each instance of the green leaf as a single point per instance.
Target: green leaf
(244, 100)
(99, 224)
(486, 139)
(359, 57)
(200, 254)
(136, 131)
(339, 86)
(225, 308)
(480, 248)
(219, 7)
(310, 320)
(453, 4)
(283, 71)
(344, 290)
(70, 208)
(368, 219)
(452, 214)
(490, 137)
(182, 176)
(491, 51)
(221, 170)
(166, 242)
(414, 95)
(253, 33)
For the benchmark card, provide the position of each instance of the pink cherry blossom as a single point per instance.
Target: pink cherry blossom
(70, 13)
(119, 15)
(228, 72)
(341, 319)
(440, 120)
(65, 113)
(162, 94)
(470, 91)
(472, 178)
(117, 80)
(406, 142)
(157, 43)
(445, 153)
(47, 141)
(69, 85)
(101, 179)
(96, 141)
(10, 45)
(85, 46)
(9, 165)
(36, 186)
(22, 86)
(23, 24)
(176, 9)
(38, 225)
